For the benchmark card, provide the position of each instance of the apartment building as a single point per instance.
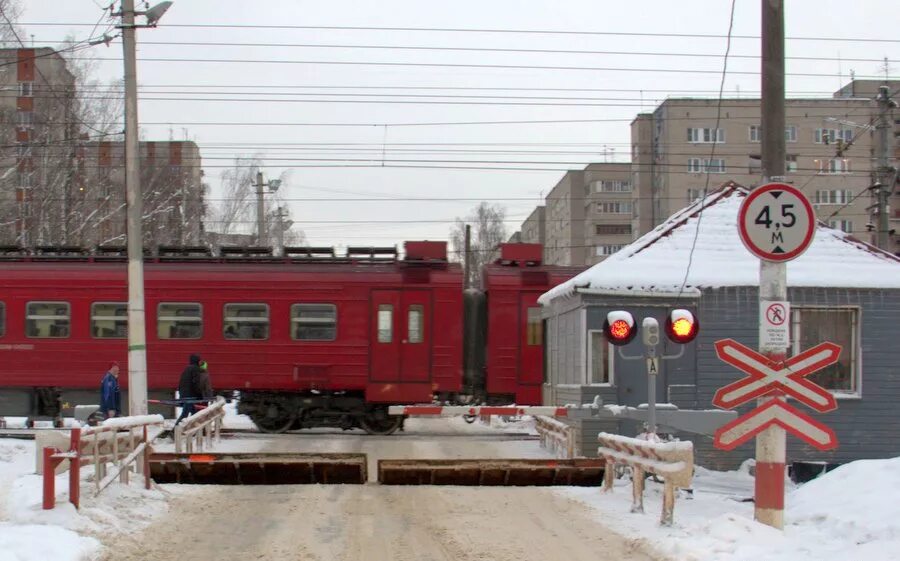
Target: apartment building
(588, 215)
(533, 230)
(36, 127)
(679, 151)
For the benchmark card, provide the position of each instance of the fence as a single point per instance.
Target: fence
(673, 461)
(119, 441)
(557, 436)
(200, 429)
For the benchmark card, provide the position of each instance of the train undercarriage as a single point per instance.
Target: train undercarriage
(277, 412)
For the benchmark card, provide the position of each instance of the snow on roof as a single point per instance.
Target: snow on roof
(655, 263)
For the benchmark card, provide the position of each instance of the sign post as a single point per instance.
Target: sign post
(776, 223)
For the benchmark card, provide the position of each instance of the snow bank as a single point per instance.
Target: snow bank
(849, 513)
(120, 422)
(45, 543)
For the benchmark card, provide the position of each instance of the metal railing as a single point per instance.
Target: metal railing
(121, 442)
(200, 429)
(557, 437)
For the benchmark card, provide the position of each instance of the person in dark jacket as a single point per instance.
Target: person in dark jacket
(110, 398)
(192, 386)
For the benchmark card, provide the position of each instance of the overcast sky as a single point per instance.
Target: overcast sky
(285, 84)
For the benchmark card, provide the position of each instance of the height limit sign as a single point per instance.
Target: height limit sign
(774, 324)
(776, 222)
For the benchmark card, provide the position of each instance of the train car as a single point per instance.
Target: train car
(308, 340)
(507, 344)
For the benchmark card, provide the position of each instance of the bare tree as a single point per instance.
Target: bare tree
(488, 232)
(10, 32)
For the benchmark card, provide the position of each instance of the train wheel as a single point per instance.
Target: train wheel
(273, 419)
(379, 422)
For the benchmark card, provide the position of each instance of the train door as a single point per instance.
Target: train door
(401, 336)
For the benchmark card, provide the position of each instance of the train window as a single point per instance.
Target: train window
(313, 322)
(2, 319)
(47, 319)
(414, 324)
(246, 321)
(179, 320)
(109, 320)
(385, 323)
(535, 333)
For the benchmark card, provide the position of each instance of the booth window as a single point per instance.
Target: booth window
(812, 326)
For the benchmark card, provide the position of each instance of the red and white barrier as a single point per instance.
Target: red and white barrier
(201, 428)
(556, 436)
(464, 410)
(673, 461)
(119, 441)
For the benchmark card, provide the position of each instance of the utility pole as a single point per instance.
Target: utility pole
(137, 339)
(468, 257)
(279, 230)
(886, 174)
(260, 210)
(771, 443)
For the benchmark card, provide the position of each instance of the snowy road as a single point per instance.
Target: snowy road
(374, 523)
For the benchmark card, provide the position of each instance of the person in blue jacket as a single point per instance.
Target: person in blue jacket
(110, 398)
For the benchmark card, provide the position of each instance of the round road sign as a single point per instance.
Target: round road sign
(776, 222)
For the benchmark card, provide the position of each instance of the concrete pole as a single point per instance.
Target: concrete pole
(260, 210)
(885, 171)
(279, 230)
(770, 444)
(137, 339)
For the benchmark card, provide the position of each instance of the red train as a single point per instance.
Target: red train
(309, 339)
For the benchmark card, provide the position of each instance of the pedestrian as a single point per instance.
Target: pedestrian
(193, 386)
(110, 398)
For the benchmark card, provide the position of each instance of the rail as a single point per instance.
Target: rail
(201, 428)
(673, 461)
(121, 442)
(557, 436)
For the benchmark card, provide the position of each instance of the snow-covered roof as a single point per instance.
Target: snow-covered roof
(655, 264)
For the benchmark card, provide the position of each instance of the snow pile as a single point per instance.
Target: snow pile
(849, 513)
(27, 532)
(233, 420)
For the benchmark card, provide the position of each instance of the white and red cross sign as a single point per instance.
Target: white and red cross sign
(767, 376)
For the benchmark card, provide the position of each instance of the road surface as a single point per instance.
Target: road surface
(375, 523)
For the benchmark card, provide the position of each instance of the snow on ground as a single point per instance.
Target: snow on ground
(27, 532)
(852, 512)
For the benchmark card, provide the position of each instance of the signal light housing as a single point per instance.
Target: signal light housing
(682, 326)
(619, 327)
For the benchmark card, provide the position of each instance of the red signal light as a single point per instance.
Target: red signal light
(682, 326)
(619, 327)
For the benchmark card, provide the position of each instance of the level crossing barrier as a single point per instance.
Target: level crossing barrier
(556, 436)
(484, 410)
(200, 429)
(673, 461)
(121, 441)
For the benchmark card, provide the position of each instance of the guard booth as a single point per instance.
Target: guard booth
(841, 290)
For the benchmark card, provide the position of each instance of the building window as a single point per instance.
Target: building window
(26, 89)
(2, 319)
(314, 322)
(248, 322)
(790, 162)
(834, 166)
(24, 118)
(47, 319)
(755, 133)
(812, 326)
(385, 323)
(23, 150)
(415, 324)
(790, 134)
(605, 186)
(534, 333)
(831, 136)
(706, 135)
(615, 207)
(845, 225)
(600, 371)
(612, 229)
(833, 197)
(109, 320)
(609, 249)
(707, 165)
(179, 320)
(694, 195)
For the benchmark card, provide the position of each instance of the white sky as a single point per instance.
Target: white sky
(382, 222)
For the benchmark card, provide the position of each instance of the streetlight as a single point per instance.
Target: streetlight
(137, 337)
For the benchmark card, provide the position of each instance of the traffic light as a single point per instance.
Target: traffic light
(619, 327)
(681, 326)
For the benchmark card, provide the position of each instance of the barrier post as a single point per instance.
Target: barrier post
(668, 503)
(637, 481)
(146, 460)
(49, 479)
(75, 467)
(178, 436)
(609, 474)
